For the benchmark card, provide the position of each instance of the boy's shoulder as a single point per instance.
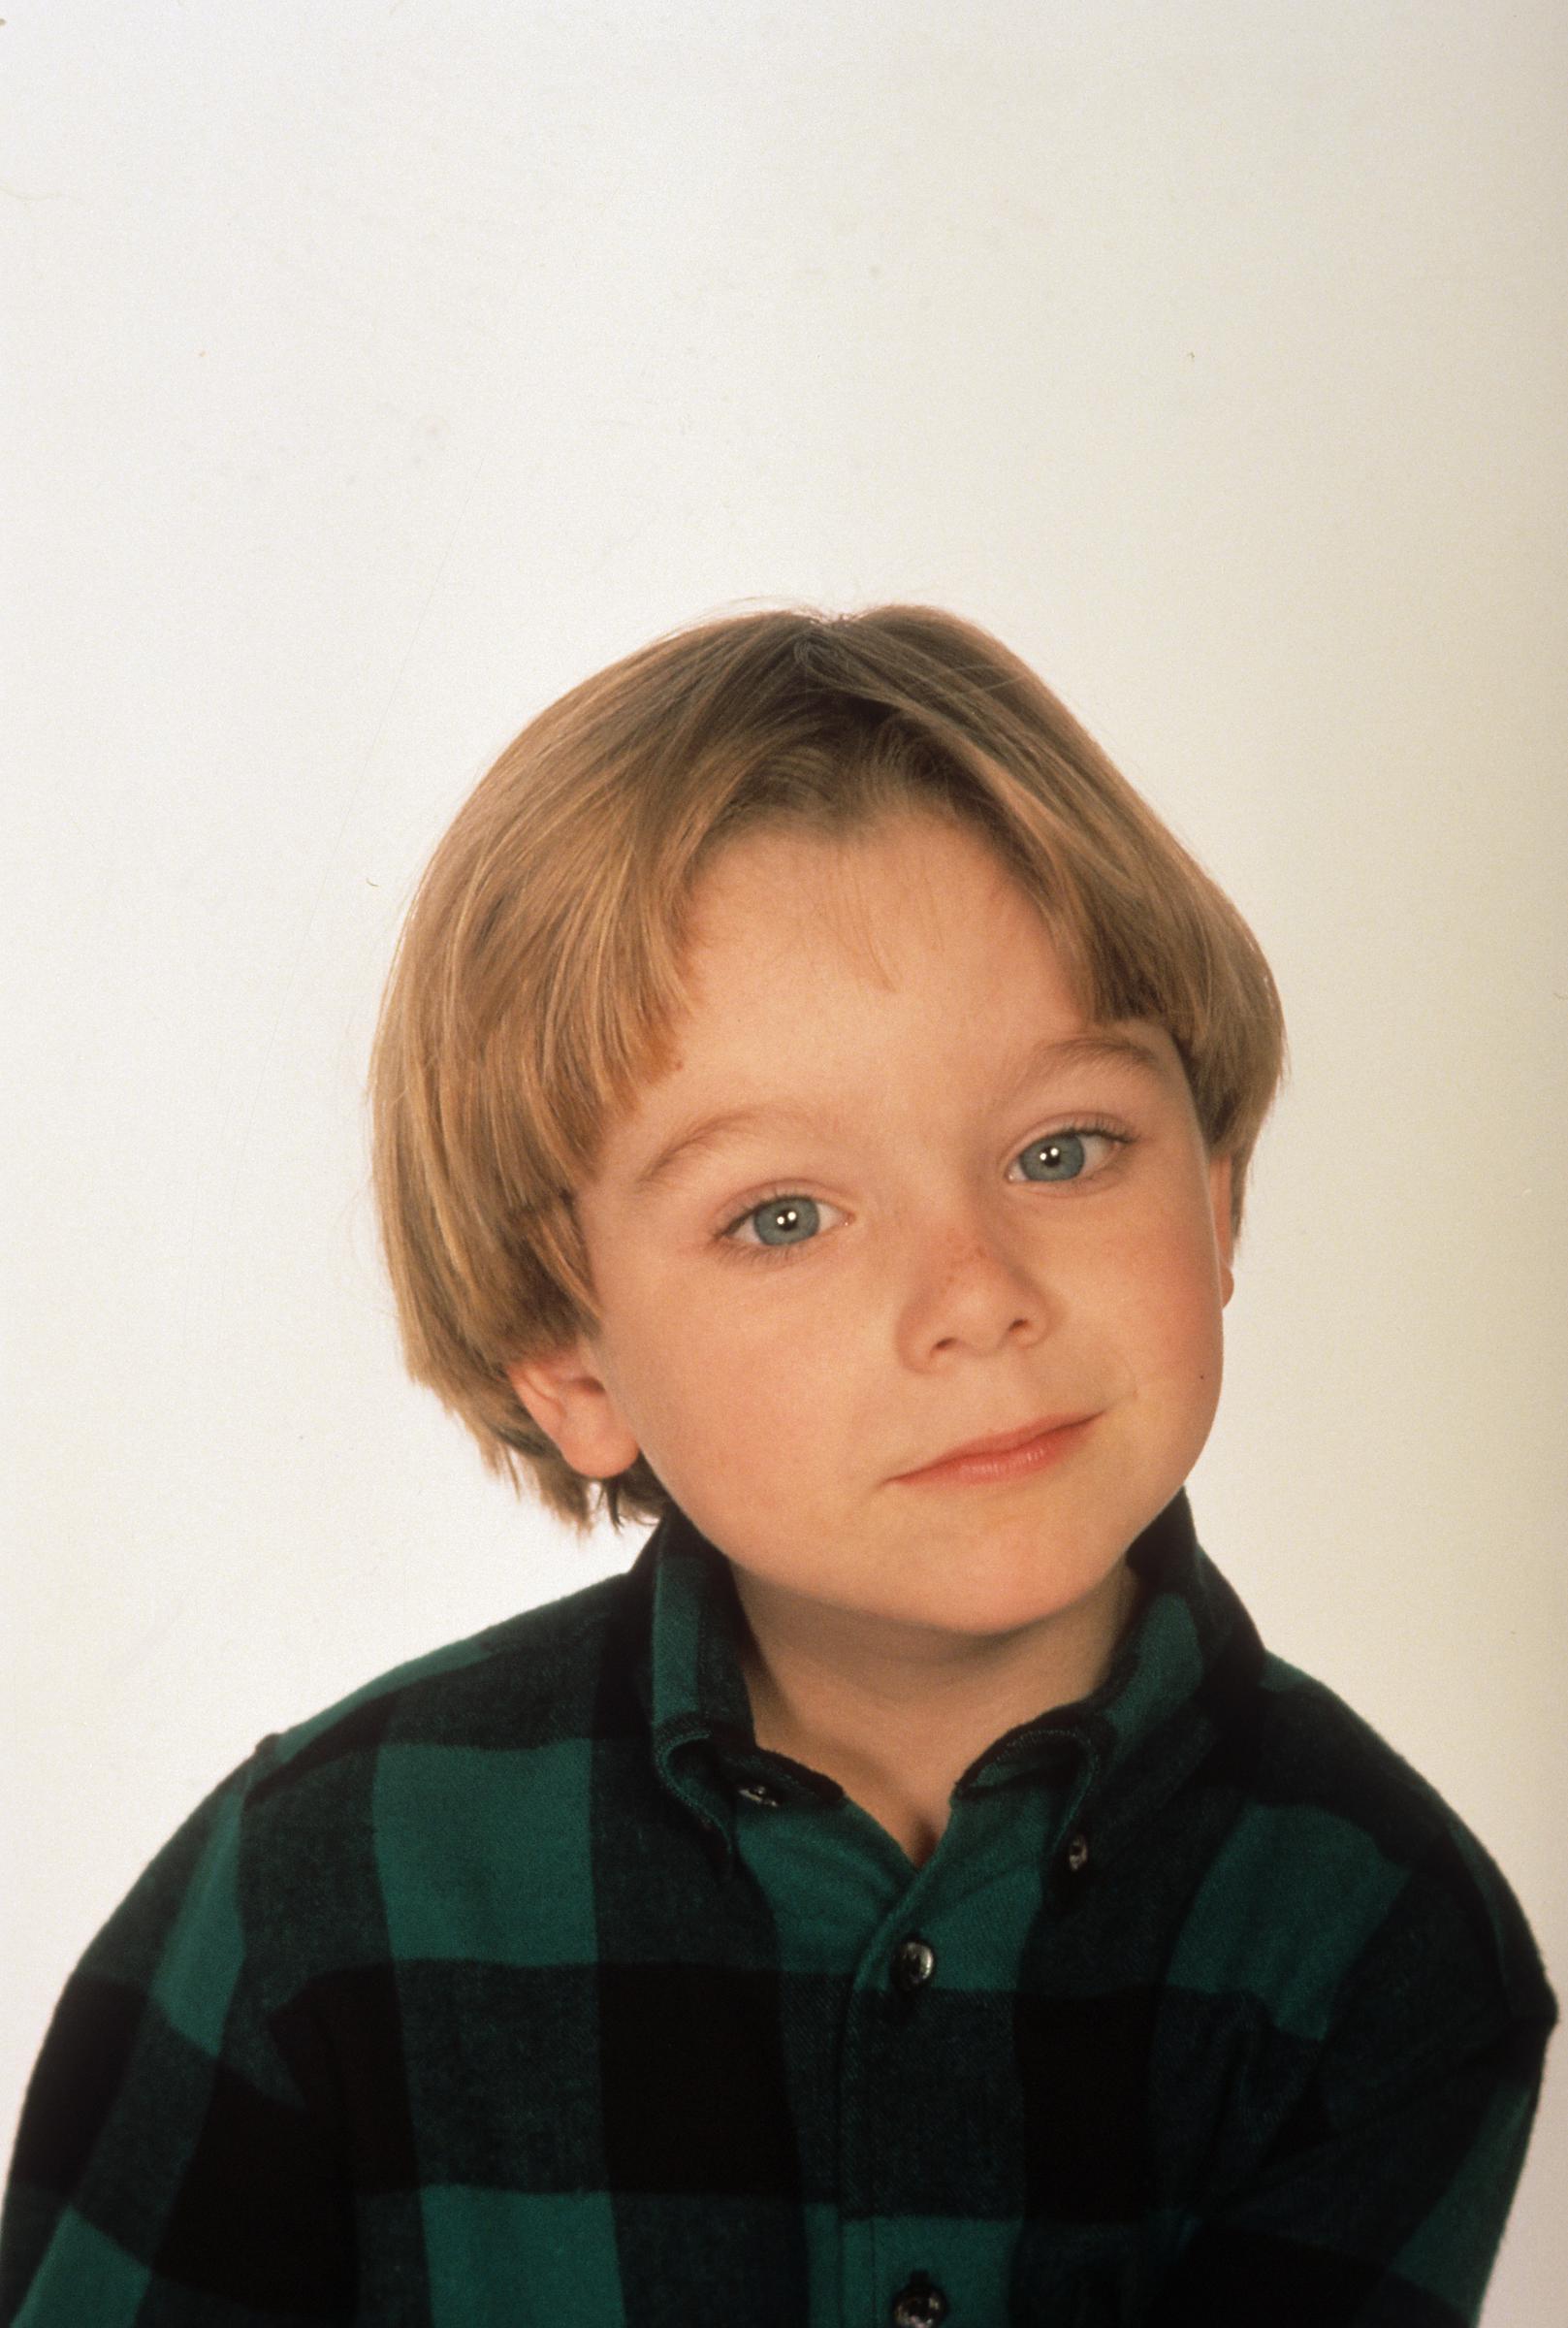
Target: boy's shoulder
(453, 1759)
(529, 1681)
(1337, 1815)
(1315, 1752)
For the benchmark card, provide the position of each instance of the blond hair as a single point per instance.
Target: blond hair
(539, 976)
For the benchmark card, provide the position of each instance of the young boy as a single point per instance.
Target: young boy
(812, 1106)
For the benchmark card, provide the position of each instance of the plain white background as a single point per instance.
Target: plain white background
(377, 372)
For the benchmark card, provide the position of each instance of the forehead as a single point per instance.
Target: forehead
(827, 979)
(906, 890)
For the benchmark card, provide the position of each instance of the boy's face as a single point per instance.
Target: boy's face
(926, 1267)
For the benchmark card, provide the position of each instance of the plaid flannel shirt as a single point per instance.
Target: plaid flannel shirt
(523, 1986)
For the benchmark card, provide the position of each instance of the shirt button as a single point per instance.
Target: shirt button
(762, 1792)
(1077, 1853)
(919, 2304)
(914, 1960)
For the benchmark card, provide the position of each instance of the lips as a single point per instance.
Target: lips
(1002, 1442)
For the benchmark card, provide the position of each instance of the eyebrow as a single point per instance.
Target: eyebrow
(1098, 1047)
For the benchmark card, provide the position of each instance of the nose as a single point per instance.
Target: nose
(970, 1284)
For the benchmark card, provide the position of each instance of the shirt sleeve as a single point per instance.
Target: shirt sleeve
(1381, 2200)
(167, 2168)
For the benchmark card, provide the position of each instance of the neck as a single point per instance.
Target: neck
(897, 1715)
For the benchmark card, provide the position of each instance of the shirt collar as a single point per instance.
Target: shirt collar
(1184, 1668)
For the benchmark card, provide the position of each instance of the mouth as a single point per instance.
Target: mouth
(1010, 1454)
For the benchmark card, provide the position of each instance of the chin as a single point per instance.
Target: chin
(988, 1597)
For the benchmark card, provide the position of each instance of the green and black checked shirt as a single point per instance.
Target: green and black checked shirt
(523, 1987)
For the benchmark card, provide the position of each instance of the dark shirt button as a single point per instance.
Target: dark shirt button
(919, 2304)
(762, 1792)
(914, 1960)
(1077, 1853)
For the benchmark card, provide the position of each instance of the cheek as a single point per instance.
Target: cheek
(1160, 1307)
(744, 1439)
(763, 1378)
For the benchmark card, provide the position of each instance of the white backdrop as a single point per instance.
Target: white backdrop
(380, 370)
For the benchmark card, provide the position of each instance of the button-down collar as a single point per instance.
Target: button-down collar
(1116, 1754)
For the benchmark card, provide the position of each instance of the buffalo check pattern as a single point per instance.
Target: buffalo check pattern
(523, 1985)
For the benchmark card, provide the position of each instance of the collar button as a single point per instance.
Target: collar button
(1076, 1855)
(760, 1792)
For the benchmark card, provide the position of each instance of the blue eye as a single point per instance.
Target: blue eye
(1061, 1155)
(796, 1218)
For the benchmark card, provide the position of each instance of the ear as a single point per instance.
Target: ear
(1219, 1196)
(569, 1399)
